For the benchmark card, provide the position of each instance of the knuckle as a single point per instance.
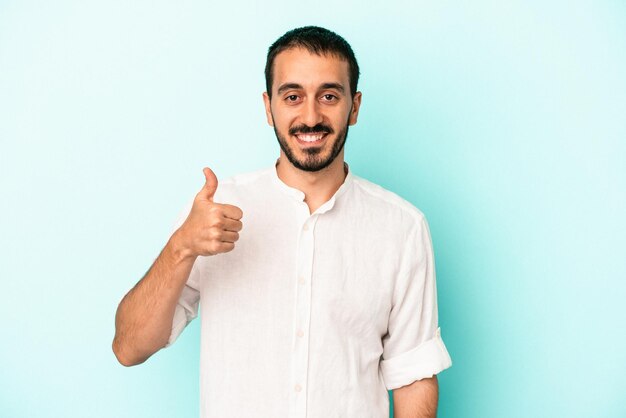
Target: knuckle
(214, 234)
(213, 247)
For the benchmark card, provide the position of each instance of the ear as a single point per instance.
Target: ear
(268, 109)
(356, 104)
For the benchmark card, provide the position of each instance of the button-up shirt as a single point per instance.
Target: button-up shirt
(317, 314)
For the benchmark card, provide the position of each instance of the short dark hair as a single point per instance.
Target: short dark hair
(318, 41)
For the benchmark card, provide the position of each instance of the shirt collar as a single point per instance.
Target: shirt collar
(299, 195)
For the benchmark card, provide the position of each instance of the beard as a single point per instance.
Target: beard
(313, 160)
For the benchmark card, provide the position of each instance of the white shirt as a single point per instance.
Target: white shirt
(314, 315)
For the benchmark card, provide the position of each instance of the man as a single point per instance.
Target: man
(326, 298)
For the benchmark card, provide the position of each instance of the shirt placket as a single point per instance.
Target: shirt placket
(300, 346)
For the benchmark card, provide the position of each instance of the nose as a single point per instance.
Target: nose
(312, 115)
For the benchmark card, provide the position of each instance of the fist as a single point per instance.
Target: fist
(210, 228)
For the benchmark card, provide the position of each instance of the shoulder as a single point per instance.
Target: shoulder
(377, 198)
(243, 184)
(246, 178)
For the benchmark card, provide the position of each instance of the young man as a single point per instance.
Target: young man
(326, 298)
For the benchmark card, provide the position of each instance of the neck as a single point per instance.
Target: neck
(318, 186)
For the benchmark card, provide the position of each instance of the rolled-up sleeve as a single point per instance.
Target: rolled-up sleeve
(189, 301)
(413, 348)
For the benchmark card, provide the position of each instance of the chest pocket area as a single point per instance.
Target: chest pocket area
(353, 291)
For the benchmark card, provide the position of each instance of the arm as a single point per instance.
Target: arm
(417, 400)
(143, 322)
(413, 351)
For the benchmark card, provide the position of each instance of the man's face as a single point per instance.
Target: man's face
(311, 107)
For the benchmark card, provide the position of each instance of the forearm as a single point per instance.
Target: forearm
(417, 400)
(143, 321)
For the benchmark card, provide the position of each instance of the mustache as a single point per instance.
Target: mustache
(320, 128)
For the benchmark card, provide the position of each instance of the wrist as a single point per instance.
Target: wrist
(179, 250)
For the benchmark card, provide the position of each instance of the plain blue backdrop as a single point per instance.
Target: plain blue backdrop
(504, 122)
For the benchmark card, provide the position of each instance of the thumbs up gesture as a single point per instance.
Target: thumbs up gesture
(210, 228)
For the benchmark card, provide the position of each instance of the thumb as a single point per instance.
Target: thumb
(210, 184)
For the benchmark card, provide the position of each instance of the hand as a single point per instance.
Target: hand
(210, 228)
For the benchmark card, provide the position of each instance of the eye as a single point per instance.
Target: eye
(291, 98)
(329, 98)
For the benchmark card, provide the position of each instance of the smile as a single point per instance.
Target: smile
(311, 138)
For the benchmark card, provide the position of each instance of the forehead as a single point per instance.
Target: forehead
(298, 65)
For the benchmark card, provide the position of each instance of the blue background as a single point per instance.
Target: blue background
(504, 122)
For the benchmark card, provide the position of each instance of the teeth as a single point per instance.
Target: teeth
(310, 138)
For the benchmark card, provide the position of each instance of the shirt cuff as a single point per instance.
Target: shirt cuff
(179, 323)
(426, 360)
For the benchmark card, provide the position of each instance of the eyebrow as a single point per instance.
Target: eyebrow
(289, 86)
(296, 86)
(335, 86)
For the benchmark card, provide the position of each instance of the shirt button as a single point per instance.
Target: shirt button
(305, 227)
(301, 281)
(300, 333)
(297, 388)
